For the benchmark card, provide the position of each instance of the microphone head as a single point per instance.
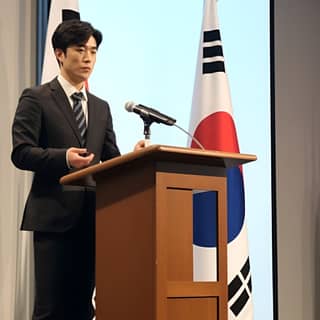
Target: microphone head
(129, 105)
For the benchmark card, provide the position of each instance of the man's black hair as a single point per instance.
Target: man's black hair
(74, 32)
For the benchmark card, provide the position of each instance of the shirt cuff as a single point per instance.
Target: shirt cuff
(67, 161)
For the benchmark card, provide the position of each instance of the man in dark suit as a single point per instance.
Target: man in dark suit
(49, 140)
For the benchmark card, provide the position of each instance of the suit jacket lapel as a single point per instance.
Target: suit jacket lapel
(64, 105)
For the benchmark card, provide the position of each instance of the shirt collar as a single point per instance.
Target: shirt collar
(69, 89)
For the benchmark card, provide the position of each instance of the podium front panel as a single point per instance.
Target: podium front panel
(181, 296)
(144, 234)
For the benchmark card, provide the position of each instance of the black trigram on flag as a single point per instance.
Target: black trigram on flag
(212, 53)
(239, 289)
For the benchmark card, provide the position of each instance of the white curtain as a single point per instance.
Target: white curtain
(17, 47)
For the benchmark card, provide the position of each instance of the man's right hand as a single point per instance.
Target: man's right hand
(79, 157)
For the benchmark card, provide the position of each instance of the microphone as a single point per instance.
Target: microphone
(149, 113)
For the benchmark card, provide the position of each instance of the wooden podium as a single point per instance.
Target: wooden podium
(144, 233)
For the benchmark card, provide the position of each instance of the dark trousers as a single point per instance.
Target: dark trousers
(64, 271)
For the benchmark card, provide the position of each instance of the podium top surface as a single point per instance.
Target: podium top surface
(163, 153)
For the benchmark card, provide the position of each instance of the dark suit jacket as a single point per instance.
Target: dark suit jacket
(43, 129)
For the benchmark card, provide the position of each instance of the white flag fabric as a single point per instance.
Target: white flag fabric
(60, 10)
(212, 123)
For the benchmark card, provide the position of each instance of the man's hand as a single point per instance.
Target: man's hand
(79, 157)
(141, 144)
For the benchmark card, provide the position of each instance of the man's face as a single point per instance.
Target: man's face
(77, 63)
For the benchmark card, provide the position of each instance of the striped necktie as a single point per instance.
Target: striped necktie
(79, 115)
